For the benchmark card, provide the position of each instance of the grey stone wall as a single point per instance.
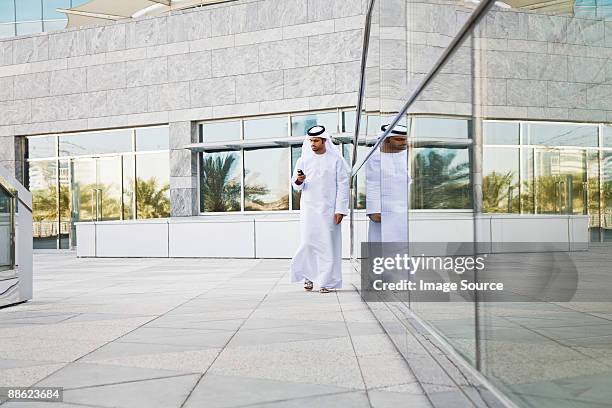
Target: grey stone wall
(528, 65)
(247, 57)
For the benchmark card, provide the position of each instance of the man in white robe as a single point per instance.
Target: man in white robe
(322, 176)
(387, 188)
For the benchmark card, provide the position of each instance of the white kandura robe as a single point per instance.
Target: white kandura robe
(325, 192)
(387, 193)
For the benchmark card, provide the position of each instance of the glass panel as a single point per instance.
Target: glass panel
(592, 195)
(266, 179)
(43, 186)
(6, 230)
(267, 128)
(362, 150)
(7, 30)
(560, 181)
(128, 187)
(527, 181)
(109, 188)
(441, 179)
(41, 147)
(503, 133)
(154, 138)
(84, 188)
(220, 132)
(50, 6)
(96, 143)
(64, 204)
(373, 124)
(301, 123)
(607, 136)
(28, 28)
(220, 182)
(296, 152)
(561, 135)
(606, 189)
(348, 121)
(7, 11)
(436, 128)
(500, 183)
(153, 185)
(76, 3)
(54, 25)
(28, 10)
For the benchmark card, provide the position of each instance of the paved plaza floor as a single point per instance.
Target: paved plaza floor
(197, 333)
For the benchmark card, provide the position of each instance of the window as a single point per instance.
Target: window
(548, 134)
(500, 182)
(152, 185)
(266, 179)
(268, 128)
(6, 232)
(41, 147)
(220, 183)
(301, 123)
(50, 6)
(606, 189)
(153, 138)
(441, 128)
(607, 136)
(43, 186)
(441, 178)
(96, 143)
(501, 133)
(296, 152)
(28, 10)
(7, 11)
(220, 132)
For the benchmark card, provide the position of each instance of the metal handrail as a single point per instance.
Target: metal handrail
(474, 17)
(364, 60)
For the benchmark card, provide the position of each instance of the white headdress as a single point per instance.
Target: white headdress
(318, 131)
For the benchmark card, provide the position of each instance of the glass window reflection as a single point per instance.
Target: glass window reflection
(96, 143)
(441, 178)
(6, 230)
(501, 133)
(220, 183)
(41, 147)
(500, 182)
(220, 132)
(266, 176)
(43, 186)
(28, 28)
(440, 128)
(50, 6)
(65, 208)
(549, 134)
(153, 138)
(268, 128)
(607, 136)
(301, 123)
(28, 10)
(152, 185)
(128, 187)
(7, 11)
(606, 189)
(296, 152)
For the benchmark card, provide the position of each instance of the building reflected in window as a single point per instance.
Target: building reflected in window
(43, 186)
(220, 183)
(500, 181)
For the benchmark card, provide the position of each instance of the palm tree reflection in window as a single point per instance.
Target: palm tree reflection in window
(497, 189)
(220, 182)
(152, 200)
(442, 179)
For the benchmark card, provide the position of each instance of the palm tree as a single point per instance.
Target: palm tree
(152, 201)
(219, 192)
(496, 189)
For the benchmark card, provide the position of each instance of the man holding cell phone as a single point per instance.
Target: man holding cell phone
(321, 174)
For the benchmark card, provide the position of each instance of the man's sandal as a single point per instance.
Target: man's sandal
(324, 290)
(308, 286)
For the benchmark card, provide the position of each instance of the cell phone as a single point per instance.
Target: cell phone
(300, 172)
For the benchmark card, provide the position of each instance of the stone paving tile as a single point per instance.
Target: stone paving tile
(225, 333)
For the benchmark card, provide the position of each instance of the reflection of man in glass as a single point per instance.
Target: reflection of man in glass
(387, 180)
(321, 174)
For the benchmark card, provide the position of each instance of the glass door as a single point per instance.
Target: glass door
(96, 190)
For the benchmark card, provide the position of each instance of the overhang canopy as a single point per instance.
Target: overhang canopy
(101, 11)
